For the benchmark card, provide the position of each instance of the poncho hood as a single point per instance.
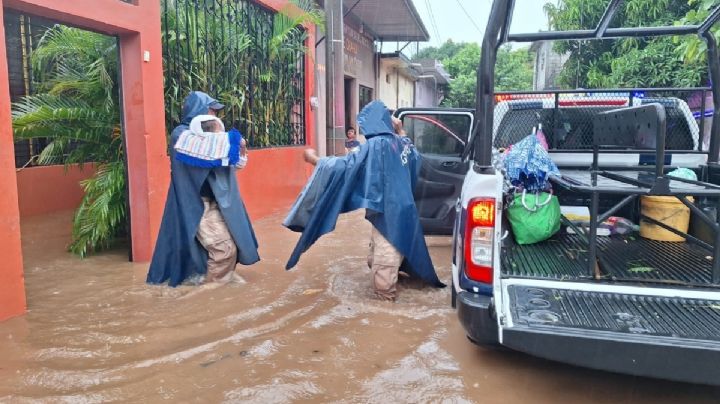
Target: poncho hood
(375, 120)
(196, 103)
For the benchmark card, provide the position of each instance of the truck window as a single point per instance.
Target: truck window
(443, 135)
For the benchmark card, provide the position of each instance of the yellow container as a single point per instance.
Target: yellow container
(667, 210)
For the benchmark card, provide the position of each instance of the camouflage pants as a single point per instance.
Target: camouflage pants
(384, 261)
(215, 237)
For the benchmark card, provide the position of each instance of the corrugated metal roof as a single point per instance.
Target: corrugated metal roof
(389, 20)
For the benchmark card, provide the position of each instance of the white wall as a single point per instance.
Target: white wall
(396, 90)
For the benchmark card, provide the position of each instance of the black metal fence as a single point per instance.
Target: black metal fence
(243, 54)
(567, 116)
(22, 34)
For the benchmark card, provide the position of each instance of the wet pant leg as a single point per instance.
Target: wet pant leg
(215, 237)
(384, 261)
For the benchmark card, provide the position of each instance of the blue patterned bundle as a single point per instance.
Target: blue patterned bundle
(528, 165)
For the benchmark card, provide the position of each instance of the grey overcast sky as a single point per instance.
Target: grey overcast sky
(452, 18)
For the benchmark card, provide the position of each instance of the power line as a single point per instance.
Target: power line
(469, 18)
(432, 20)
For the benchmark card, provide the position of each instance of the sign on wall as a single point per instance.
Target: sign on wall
(358, 52)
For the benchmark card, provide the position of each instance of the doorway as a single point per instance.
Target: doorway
(69, 149)
(366, 96)
(139, 47)
(350, 112)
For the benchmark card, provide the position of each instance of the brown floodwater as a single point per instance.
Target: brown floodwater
(95, 332)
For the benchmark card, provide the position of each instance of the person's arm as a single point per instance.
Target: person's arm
(311, 156)
(398, 126)
(242, 162)
(243, 148)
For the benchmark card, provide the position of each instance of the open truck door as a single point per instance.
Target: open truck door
(440, 135)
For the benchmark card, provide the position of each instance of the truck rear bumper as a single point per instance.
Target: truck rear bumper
(639, 357)
(661, 337)
(477, 317)
(666, 337)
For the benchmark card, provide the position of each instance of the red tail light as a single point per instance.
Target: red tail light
(479, 240)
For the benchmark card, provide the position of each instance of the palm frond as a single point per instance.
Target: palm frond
(102, 212)
(76, 110)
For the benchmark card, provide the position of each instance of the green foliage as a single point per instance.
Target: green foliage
(513, 71)
(462, 92)
(465, 60)
(446, 51)
(76, 109)
(694, 49)
(253, 68)
(102, 211)
(75, 103)
(657, 62)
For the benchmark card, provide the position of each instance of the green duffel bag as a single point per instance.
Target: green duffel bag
(534, 217)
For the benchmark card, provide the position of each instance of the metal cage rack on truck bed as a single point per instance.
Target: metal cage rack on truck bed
(597, 182)
(633, 130)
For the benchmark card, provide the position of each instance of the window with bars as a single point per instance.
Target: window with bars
(22, 34)
(246, 56)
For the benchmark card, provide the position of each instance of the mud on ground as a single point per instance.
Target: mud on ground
(95, 332)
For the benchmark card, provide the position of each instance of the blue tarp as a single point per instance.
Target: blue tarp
(380, 178)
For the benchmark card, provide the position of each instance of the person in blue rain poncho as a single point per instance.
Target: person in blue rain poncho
(379, 177)
(205, 229)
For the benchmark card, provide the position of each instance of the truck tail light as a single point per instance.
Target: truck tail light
(479, 237)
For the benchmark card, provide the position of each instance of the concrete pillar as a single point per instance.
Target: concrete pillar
(12, 287)
(335, 73)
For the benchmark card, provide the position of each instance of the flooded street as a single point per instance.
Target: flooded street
(95, 332)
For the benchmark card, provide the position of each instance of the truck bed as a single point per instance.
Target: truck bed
(620, 259)
(669, 337)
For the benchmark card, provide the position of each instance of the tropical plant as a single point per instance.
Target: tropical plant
(75, 103)
(75, 109)
(250, 59)
(444, 52)
(513, 70)
(694, 49)
(636, 62)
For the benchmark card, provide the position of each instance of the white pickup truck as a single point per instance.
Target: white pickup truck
(619, 303)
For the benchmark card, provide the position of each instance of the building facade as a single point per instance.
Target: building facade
(548, 65)
(397, 78)
(431, 84)
(365, 74)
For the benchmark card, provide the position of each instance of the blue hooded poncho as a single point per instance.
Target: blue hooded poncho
(178, 254)
(379, 177)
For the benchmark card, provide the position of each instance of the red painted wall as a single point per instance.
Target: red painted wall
(48, 189)
(272, 180)
(138, 27)
(12, 285)
(269, 184)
